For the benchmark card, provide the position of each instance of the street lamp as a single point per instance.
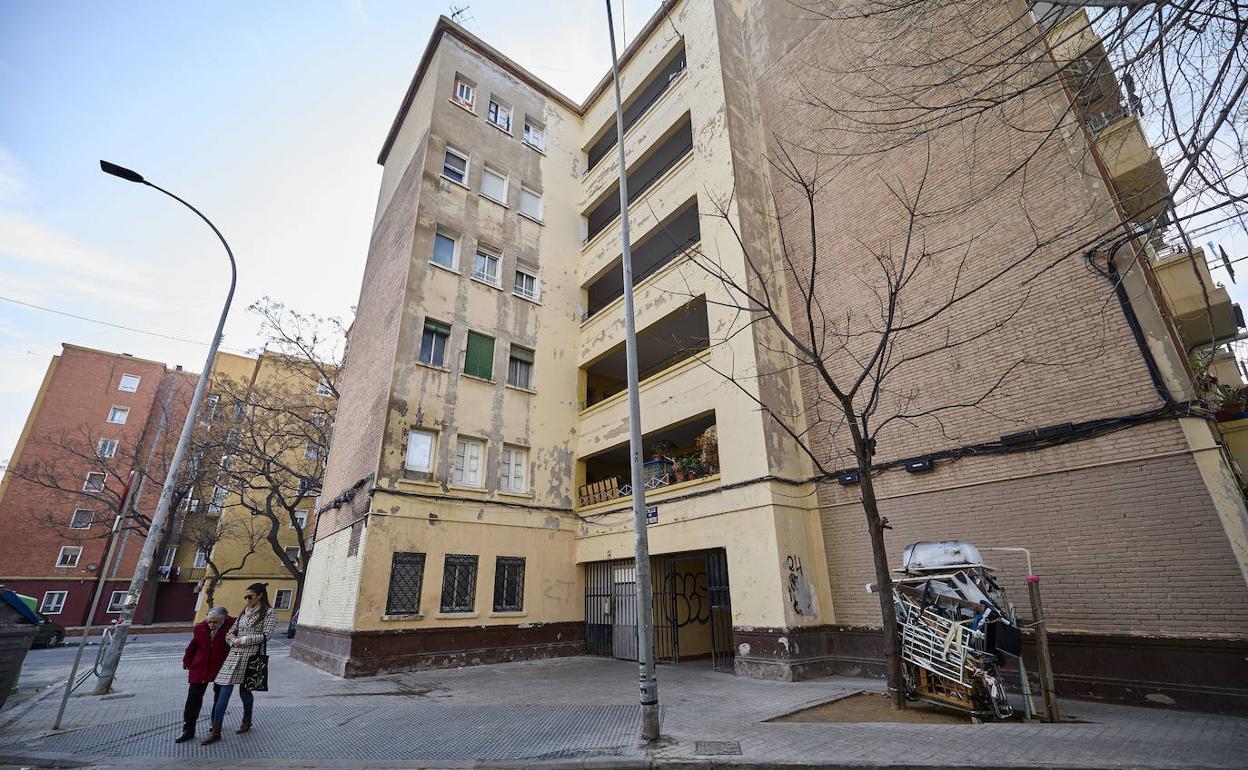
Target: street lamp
(112, 656)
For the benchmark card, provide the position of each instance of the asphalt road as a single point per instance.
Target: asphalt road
(43, 667)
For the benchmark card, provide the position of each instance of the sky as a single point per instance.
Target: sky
(267, 116)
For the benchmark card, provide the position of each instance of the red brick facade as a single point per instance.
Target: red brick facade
(69, 419)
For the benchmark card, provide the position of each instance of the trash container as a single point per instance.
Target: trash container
(15, 639)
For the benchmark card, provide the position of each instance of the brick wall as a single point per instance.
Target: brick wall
(1134, 544)
(360, 421)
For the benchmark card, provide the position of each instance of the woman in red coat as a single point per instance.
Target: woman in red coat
(202, 660)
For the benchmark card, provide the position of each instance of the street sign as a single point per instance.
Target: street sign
(652, 514)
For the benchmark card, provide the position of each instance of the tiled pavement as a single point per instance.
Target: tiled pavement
(579, 712)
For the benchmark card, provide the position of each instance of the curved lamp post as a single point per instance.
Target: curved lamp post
(108, 666)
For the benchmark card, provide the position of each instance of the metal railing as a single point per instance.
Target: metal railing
(640, 278)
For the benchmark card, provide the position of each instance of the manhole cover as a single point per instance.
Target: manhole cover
(717, 747)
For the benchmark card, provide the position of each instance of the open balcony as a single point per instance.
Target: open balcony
(660, 246)
(642, 175)
(639, 102)
(678, 454)
(675, 338)
(1197, 324)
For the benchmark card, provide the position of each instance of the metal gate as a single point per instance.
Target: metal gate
(598, 608)
(722, 650)
(679, 599)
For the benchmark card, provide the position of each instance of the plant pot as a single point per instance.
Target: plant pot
(1229, 410)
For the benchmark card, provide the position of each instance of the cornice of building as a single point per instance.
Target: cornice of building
(446, 26)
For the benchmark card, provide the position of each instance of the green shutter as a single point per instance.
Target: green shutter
(479, 360)
(521, 354)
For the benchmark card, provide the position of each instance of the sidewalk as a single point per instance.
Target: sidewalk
(579, 712)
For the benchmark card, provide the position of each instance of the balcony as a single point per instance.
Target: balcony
(677, 454)
(642, 176)
(1139, 180)
(676, 337)
(1197, 327)
(639, 103)
(658, 248)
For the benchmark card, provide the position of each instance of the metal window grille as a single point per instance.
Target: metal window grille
(509, 584)
(407, 574)
(459, 583)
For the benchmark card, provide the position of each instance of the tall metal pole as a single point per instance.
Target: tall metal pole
(645, 596)
(112, 656)
(121, 516)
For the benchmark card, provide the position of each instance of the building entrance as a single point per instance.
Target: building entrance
(692, 608)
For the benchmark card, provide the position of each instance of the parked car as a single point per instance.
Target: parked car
(294, 624)
(48, 633)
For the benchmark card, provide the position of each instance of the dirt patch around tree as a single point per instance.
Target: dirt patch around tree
(874, 707)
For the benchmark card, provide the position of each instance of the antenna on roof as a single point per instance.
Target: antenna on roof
(461, 14)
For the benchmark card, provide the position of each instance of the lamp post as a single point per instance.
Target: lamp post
(112, 655)
(641, 543)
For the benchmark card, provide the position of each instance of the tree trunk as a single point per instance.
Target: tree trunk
(299, 580)
(884, 583)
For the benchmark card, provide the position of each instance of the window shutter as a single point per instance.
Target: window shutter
(479, 359)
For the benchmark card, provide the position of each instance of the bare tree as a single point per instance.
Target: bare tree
(206, 534)
(887, 335)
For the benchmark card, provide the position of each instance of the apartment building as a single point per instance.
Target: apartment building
(269, 417)
(97, 417)
(476, 505)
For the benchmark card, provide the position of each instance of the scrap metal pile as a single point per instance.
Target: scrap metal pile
(956, 625)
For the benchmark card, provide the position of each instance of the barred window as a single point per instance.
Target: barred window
(407, 574)
(459, 583)
(509, 584)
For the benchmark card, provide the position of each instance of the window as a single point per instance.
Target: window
(94, 483)
(433, 343)
(319, 419)
(301, 519)
(455, 166)
(499, 114)
(292, 553)
(116, 601)
(53, 602)
(479, 357)
(170, 554)
(190, 504)
(445, 249)
(407, 573)
(468, 453)
(531, 203)
(311, 451)
(218, 498)
(238, 408)
(210, 407)
(465, 91)
(513, 468)
(106, 448)
(459, 583)
(129, 383)
(323, 388)
(520, 367)
(232, 437)
(281, 599)
(118, 414)
(526, 283)
(486, 267)
(509, 584)
(81, 519)
(419, 451)
(494, 185)
(534, 133)
(69, 556)
(201, 558)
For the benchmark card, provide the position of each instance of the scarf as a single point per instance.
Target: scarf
(250, 616)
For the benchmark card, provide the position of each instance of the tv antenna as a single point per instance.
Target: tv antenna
(461, 14)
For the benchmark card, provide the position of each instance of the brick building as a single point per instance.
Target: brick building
(476, 500)
(97, 417)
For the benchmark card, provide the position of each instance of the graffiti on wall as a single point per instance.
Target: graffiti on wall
(799, 588)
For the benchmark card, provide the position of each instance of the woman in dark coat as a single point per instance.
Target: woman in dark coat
(202, 661)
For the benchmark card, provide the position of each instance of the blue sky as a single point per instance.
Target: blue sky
(267, 116)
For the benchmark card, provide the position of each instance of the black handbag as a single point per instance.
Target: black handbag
(256, 672)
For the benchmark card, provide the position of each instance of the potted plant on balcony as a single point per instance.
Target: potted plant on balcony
(1230, 402)
(688, 467)
(708, 446)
